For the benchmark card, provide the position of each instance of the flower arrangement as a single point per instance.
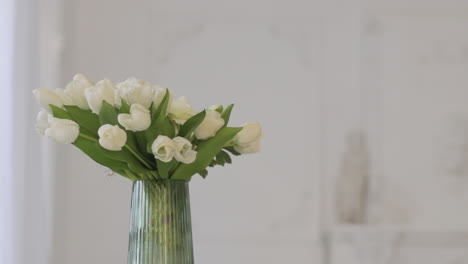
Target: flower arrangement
(139, 131)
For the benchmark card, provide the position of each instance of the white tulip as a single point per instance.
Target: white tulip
(214, 107)
(102, 91)
(183, 150)
(247, 149)
(46, 97)
(62, 130)
(117, 99)
(163, 148)
(248, 139)
(42, 122)
(210, 125)
(112, 137)
(159, 93)
(139, 118)
(135, 91)
(66, 100)
(76, 90)
(180, 110)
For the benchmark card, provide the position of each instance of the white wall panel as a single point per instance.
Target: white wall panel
(422, 70)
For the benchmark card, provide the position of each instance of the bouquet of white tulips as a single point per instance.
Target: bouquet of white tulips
(138, 131)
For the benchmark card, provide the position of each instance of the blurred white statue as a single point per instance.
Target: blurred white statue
(352, 184)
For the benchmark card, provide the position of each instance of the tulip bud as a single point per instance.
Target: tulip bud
(112, 137)
(102, 91)
(163, 148)
(139, 118)
(248, 139)
(180, 110)
(75, 90)
(66, 100)
(183, 150)
(62, 130)
(210, 125)
(45, 97)
(217, 108)
(159, 93)
(42, 122)
(135, 91)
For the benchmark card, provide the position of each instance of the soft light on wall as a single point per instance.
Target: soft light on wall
(6, 53)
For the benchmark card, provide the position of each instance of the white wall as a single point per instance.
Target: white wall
(7, 19)
(28, 174)
(351, 94)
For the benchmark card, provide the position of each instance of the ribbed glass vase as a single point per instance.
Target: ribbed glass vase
(160, 224)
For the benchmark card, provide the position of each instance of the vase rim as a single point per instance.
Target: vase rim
(161, 180)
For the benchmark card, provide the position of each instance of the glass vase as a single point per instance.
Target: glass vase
(160, 223)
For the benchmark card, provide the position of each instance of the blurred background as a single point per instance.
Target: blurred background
(364, 106)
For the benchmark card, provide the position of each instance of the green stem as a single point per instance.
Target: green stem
(151, 176)
(140, 158)
(155, 174)
(131, 175)
(88, 137)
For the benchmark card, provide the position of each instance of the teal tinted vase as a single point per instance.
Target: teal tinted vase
(160, 223)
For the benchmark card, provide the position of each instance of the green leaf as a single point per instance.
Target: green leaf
(206, 151)
(120, 162)
(219, 109)
(203, 173)
(121, 172)
(165, 167)
(161, 125)
(136, 166)
(123, 155)
(162, 108)
(85, 118)
(227, 114)
(213, 163)
(141, 140)
(124, 107)
(60, 113)
(132, 140)
(232, 151)
(108, 114)
(191, 124)
(89, 148)
(222, 158)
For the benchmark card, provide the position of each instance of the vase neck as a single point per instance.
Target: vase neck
(160, 223)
